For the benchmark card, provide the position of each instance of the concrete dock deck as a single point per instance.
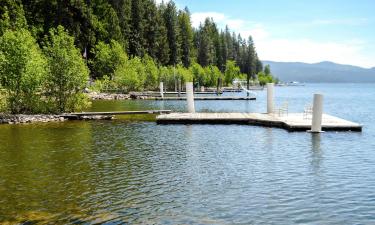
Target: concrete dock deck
(290, 122)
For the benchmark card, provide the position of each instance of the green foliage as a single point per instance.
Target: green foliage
(198, 73)
(108, 57)
(212, 75)
(171, 24)
(104, 84)
(159, 38)
(186, 37)
(22, 71)
(151, 73)
(3, 101)
(232, 71)
(68, 72)
(166, 76)
(12, 16)
(131, 76)
(184, 74)
(264, 78)
(207, 35)
(107, 23)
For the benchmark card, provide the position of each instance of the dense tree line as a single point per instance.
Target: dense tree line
(143, 28)
(129, 44)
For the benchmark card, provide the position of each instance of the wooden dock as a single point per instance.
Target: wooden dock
(290, 122)
(203, 98)
(107, 115)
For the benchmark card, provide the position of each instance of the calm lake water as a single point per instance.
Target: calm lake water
(133, 171)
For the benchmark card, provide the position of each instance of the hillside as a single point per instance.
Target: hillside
(323, 72)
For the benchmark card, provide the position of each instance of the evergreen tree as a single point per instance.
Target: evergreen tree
(259, 65)
(171, 22)
(151, 28)
(186, 36)
(267, 70)
(162, 46)
(206, 47)
(137, 28)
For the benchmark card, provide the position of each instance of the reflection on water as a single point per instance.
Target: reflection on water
(131, 170)
(316, 152)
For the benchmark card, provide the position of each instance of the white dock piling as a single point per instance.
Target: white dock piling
(161, 89)
(316, 124)
(270, 98)
(190, 97)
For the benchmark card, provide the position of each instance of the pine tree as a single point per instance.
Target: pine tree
(170, 17)
(137, 28)
(162, 46)
(186, 36)
(151, 28)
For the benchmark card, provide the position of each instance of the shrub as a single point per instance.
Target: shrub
(184, 74)
(108, 57)
(264, 79)
(231, 72)
(131, 76)
(22, 71)
(198, 73)
(68, 72)
(151, 73)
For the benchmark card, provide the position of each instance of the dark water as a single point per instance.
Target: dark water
(133, 171)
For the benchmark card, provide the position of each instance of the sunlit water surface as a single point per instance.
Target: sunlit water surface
(133, 171)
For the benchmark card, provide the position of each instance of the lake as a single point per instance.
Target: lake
(131, 170)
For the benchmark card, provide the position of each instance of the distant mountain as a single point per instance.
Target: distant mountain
(323, 72)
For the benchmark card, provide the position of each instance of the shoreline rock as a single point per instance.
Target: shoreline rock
(107, 96)
(114, 96)
(44, 118)
(23, 118)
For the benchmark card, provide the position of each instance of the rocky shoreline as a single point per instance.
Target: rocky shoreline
(45, 118)
(114, 96)
(42, 118)
(108, 96)
(22, 118)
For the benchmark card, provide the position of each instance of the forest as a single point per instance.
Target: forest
(50, 50)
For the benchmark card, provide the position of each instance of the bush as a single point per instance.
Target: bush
(22, 71)
(198, 73)
(264, 79)
(232, 71)
(68, 73)
(131, 76)
(184, 74)
(151, 73)
(108, 57)
(103, 84)
(3, 101)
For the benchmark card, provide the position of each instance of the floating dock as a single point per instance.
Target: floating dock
(195, 92)
(290, 122)
(201, 98)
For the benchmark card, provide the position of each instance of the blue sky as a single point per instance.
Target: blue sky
(310, 31)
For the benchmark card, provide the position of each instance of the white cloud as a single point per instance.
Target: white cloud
(274, 48)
